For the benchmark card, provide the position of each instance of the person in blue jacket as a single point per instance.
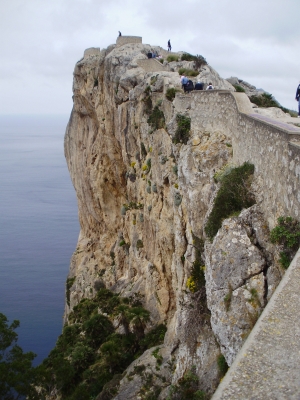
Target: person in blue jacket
(298, 99)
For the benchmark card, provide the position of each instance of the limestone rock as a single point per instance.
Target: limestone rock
(249, 89)
(143, 201)
(239, 265)
(272, 112)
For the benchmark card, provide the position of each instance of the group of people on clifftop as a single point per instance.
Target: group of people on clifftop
(188, 85)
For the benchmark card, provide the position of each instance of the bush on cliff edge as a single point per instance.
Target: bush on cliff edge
(233, 195)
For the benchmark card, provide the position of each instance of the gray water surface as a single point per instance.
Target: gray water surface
(38, 227)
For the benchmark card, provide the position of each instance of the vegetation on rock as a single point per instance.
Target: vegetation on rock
(239, 88)
(90, 353)
(222, 365)
(147, 100)
(267, 100)
(188, 72)
(170, 93)
(187, 388)
(287, 234)
(233, 195)
(182, 133)
(156, 119)
(69, 284)
(171, 58)
(198, 60)
(197, 278)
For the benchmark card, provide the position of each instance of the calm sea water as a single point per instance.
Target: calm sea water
(38, 227)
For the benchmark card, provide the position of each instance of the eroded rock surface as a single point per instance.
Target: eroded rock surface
(240, 276)
(142, 201)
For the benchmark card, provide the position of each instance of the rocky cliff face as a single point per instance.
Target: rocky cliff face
(144, 195)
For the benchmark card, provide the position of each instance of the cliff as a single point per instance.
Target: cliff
(147, 170)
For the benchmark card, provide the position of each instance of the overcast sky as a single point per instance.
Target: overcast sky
(41, 40)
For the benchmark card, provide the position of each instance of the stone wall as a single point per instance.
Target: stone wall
(121, 40)
(267, 146)
(92, 51)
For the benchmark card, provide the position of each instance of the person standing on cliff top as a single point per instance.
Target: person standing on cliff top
(169, 45)
(120, 34)
(298, 99)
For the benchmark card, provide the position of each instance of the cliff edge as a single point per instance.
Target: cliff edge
(147, 169)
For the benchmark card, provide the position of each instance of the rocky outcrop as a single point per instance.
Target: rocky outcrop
(144, 194)
(240, 277)
(249, 89)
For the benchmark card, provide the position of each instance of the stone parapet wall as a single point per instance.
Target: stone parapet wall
(92, 51)
(267, 146)
(121, 40)
(267, 366)
(151, 65)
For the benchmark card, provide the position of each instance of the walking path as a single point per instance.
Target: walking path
(281, 123)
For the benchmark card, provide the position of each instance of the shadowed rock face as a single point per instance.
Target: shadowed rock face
(134, 185)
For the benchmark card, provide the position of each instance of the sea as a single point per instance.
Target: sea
(38, 227)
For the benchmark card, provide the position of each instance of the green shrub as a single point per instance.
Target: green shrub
(264, 100)
(267, 100)
(199, 60)
(232, 197)
(139, 243)
(188, 72)
(153, 80)
(17, 376)
(69, 284)
(222, 365)
(293, 114)
(154, 337)
(187, 388)
(183, 129)
(197, 273)
(161, 60)
(239, 88)
(187, 57)
(170, 93)
(172, 58)
(287, 234)
(89, 353)
(156, 119)
(147, 100)
(133, 206)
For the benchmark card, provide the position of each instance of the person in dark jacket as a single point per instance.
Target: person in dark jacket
(120, 34)
(298, 99)
(189, 86)
(199, 86)
(169, 45)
